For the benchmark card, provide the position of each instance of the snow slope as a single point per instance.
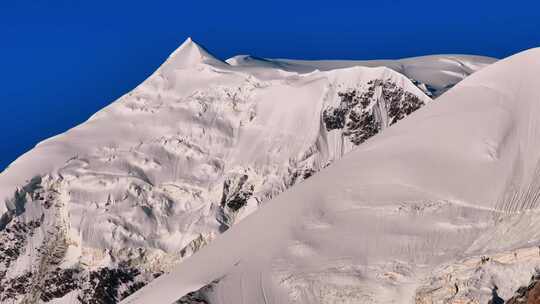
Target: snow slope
(95, 213)
(459, 178)
(434, 73)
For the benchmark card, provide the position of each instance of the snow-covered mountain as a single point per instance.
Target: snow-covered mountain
(96, 213)
(441, 208)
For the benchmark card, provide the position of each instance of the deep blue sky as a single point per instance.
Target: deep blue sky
(61, 61)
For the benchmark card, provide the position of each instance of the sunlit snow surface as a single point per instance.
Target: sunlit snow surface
(202, 143)
(457, 179)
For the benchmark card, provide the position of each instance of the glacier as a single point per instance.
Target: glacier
(439, 208)
(98, 212)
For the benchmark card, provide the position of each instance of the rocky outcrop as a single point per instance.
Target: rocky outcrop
(363, 113)
(237, 190)
(110, 285)
(199, 296)
(529, 294)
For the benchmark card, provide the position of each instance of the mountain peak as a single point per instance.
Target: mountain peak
(190, 54)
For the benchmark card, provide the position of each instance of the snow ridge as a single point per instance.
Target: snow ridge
(434, 74)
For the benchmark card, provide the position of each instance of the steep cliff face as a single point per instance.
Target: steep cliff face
(96, 213)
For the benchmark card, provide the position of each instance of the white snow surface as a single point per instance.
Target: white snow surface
(190, 94)
(142, 180)
(437, 72)
(459, 178)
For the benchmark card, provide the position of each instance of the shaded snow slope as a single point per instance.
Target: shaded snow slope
(459, 178)
(95, 213)
(434, 74)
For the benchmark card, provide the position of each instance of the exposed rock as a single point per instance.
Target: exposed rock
(15, 288)
(59, 283)
(199, 296)
(495, 298)
(529, 294)
(236, 192)
(194, 245)
(103, 285)
(13, 238)
(363, 113)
